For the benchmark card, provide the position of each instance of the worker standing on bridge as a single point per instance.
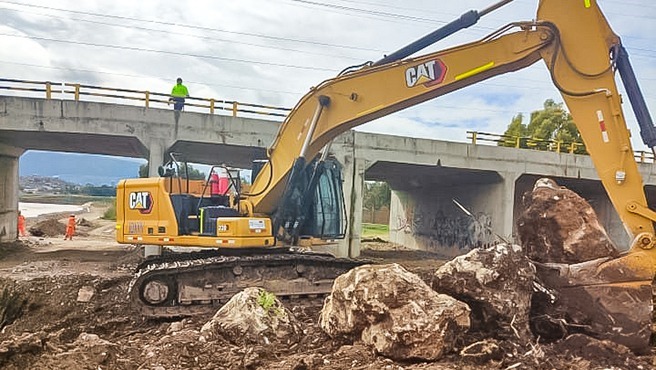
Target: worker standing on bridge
(21, 224)
(70, 228)
(178, 95)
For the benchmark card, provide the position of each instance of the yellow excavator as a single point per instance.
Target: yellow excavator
(296, 193)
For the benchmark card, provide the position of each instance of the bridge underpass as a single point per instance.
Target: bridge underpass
(87, 143)
(423, 214)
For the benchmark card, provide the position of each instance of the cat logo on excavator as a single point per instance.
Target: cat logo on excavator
(141, 201)
(428, 73)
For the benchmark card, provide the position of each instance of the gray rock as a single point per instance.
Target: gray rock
(85, 294)
(91, 340)
(497, 284)
(394, 312)
(175, 327)
(482, 352)
(246, 319)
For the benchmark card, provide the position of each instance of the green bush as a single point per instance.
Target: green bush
(110, 213)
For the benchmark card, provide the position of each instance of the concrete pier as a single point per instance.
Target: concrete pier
(9, 192)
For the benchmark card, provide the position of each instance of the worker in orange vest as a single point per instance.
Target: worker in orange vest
(70, 228)
(21, 224)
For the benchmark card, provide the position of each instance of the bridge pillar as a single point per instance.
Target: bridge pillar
(157, 151)
(9, 192)
(502, 206)
(353, 184)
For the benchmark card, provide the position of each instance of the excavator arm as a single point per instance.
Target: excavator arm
(580, 51)
(355, 98)
(582, 62)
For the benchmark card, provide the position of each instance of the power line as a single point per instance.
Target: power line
(200, 56)
(369, 11)
(388, 17)
(625, 2)
(251, 34)
(202, 28)
(180, 33)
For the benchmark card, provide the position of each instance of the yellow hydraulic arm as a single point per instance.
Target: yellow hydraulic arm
(571, 36)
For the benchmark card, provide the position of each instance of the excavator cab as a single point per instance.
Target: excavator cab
(313, 203)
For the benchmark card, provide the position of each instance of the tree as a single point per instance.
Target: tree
(194, 174)
(376, 195)
(550, 124)
(143, 170)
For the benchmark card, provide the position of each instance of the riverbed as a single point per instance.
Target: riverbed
(38, 209)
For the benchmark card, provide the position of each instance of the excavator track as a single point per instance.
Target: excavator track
(188, 284)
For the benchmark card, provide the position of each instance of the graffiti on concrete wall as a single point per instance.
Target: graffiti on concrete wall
(461, 232)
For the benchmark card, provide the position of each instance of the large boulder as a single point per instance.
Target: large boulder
(589, 287)
(559, 226)
(253, 316)
(394, 312)
(497, 284)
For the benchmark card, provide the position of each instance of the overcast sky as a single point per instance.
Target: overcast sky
(272, 51)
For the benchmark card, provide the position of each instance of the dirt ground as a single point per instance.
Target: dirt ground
(66, 307)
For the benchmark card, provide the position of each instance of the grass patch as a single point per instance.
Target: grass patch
(375, 231)
(110, 213)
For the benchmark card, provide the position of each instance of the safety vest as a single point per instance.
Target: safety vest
(180, 90)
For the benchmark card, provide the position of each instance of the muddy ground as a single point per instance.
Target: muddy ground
(74, 315)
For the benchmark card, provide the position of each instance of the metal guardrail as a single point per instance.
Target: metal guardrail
(522, 142)
(82, 92)
(64, 90)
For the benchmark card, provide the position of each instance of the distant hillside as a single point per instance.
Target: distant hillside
(78, 168)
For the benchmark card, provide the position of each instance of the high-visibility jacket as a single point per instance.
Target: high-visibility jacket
(180, 91)
(70, 228)
(21, 224)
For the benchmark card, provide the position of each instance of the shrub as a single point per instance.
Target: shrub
(110, 213)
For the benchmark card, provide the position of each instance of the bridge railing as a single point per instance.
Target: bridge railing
(82, 92)
(523, 142)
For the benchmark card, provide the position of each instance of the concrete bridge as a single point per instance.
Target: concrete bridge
(425, 175)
